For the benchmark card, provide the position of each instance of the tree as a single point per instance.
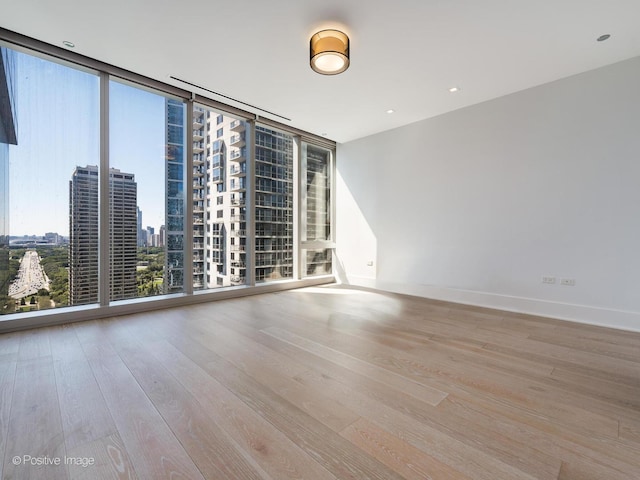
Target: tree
(43, 292)
(9, 305)
(44, 302)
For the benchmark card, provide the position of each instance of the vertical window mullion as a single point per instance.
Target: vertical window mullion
(332, 207)
(103, 198)
(299, 199)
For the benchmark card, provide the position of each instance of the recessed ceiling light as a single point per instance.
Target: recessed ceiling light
(390, 110)
(69, 44)
(454, 89)
(602, 38)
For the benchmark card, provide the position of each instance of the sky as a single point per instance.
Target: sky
(58, 129)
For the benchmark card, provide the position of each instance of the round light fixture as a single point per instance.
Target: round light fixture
(69, 44)
(454, 89)
(391, 110)
(604, 37)
(329, 52)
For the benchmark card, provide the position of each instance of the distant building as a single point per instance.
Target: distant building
(123, 219)
(142, 237)
(53, 238)
(149, 232)
(163, 236)
(84, 235)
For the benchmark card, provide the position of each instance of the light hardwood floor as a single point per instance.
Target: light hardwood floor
(322, 383)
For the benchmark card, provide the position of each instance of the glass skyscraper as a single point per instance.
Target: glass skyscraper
(175, 141)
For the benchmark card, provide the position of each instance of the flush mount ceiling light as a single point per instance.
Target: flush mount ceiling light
(604, 37)
(69, 44)
(329, 52)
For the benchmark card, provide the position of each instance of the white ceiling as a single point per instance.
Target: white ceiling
(405, 54)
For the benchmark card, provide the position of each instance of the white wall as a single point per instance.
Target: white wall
(477, 205)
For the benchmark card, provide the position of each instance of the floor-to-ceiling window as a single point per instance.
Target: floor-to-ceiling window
(122, 188)
(147, 195)
(53, 187)
(219, 199)
(317, 203)
(274, 165)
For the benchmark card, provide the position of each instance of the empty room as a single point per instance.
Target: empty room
(320, 240)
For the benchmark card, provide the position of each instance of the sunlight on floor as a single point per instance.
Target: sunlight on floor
(333, 291)
(381, 302)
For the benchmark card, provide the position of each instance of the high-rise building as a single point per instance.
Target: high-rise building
(163, 236)
(142, 237)
(175, 141)
(148, 236)
(200, 127)
(84, 235)
(8, 136)
(123, 234)
(273, 211)
(220, 233)
(274, 204)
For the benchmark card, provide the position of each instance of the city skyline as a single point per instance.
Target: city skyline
(239, 179)
(63, 130)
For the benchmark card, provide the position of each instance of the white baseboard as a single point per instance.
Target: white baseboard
(619, 319)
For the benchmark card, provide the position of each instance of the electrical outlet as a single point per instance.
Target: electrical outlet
(569, 282)
(549, 280)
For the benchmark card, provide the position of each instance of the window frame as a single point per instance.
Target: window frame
(105, 307)
(304, 243)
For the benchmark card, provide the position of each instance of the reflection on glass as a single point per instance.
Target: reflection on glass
(8, 124)
(317, 262)
(49, 129)
(317, 210)
(318, 194)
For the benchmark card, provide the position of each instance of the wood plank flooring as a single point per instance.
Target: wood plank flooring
(321, 383)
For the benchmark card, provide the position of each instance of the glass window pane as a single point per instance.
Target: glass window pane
(274, 205)
(8, 125)
(219, 194)
(318, 194)
(146, 150)
(317, 262)
(49, 119)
